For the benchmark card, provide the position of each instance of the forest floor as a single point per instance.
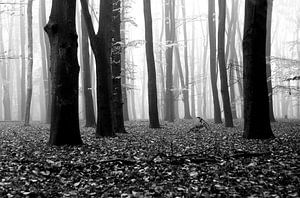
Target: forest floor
(177, 160)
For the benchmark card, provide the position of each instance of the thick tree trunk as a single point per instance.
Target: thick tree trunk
(268, 56)
(30, 62)
(64, 129)
(213, 65)
(152, 90)
(170, 31)
(87, 86)
(222, 64)
(256, 105)
(117, 70)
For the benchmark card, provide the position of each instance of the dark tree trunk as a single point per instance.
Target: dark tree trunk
(187, 114)
(23, 61)
(152, 90)
(30, 62)
(170, 31)
(87, 86)
(213, 65)
(268, 56)
(101, 46)
(116, 69)
(222, 64)
(64, 129)
(256, 103)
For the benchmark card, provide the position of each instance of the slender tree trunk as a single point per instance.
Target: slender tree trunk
(123, 65)
(213, 65)
(256, 105)
(5, 79)
(204, 87)
(187, 114)
(61, 29)
(87, 86)
(170, 31)
(222, 64)
(192, 63)
(30, 62)
(152, 90)
(44, 76)
(268, 56)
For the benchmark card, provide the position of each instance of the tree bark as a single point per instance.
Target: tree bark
(116, 69)
(256, 103)
(64, 68)
(187, 114)
(23, 61)
(213, 73)
(87, 86)
(152, 90)
(30, 62)
(268, 57)
(222, 64)
(101, 46)
(170, 31)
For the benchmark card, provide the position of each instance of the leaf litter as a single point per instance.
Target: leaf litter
(178, 160)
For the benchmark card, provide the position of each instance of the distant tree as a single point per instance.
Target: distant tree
(152, 90)
(169, 35)
(268, 54)
(117, 69)
(256, 105)
(87, 86)
(5, 77)
(61, 29)
(101, 46)
(213, 65)
(187, 114)
(23, 60)
(45, 52)
(222, 64)
(30, 62)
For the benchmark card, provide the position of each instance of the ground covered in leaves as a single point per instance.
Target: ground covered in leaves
(177, 160)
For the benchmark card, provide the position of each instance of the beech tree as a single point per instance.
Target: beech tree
(30, 62)
(213, 73)
(256, 102)
(64, 68)
(268, 56)
(152, 90)
(87, 86)
(222, 64)
(117, 69)
(169, 34)
(101, 46)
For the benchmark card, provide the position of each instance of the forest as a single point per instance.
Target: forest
(149, 98)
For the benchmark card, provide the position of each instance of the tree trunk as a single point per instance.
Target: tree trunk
(256, 105)
(222, 64)
(170, 31)
(116, 69)
(30, 62)
(268, 56)
(61, 29)
(101, 46)
(213, 73)
(152, 90)
(44, 56)
(187, 114)
(87, 86)
(192, 63)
